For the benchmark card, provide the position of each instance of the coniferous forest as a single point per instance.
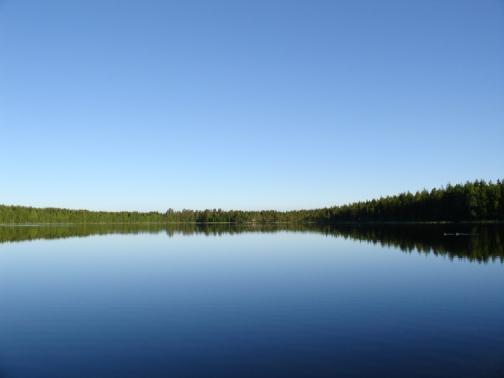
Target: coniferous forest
(473, 201)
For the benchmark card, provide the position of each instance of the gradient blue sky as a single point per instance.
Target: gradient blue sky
(246, 104)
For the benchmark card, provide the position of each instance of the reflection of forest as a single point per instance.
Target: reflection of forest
(477, 242)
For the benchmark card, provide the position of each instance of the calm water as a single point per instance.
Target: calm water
(123, 301)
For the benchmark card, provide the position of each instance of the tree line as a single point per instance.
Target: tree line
(473, 201)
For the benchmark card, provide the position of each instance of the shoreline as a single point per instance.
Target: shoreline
(321, 224)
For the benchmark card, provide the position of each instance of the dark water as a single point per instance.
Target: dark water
(222, 301)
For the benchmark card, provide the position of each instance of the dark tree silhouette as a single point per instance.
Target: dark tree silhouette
(473, 201)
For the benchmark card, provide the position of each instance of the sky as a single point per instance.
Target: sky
(276, 104)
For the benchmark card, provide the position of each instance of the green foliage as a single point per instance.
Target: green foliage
(30, 215)
(473, 201)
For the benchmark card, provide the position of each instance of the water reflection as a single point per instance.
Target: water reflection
(257, 301)
(475, 242)
(480, 243)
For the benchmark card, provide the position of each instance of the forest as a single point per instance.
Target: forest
(473, 201)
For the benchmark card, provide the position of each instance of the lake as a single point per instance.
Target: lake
(258, 301)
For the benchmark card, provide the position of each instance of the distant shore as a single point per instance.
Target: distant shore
(477, 201)
(355, 223)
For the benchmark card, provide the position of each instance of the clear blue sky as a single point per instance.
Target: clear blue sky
(246, 104)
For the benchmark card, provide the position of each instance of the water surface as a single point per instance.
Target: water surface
(265, 301)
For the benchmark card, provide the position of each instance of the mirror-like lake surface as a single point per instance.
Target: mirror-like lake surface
(222, 301)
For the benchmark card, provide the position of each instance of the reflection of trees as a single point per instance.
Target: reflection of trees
(479, 243)
(24, 233)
